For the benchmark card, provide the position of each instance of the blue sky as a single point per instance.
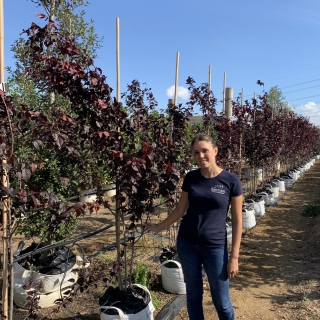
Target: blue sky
(275, 41)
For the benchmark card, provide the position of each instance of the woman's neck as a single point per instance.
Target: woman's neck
(211, 172)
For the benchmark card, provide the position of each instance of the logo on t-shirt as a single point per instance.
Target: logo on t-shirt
(218, 188)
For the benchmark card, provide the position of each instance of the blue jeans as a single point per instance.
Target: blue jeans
(214, 260)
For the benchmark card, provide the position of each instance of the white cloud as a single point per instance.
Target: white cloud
(183, 92)
(310, 110)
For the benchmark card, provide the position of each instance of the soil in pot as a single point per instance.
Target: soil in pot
(130, 302)
(60, 261)
(171, 265)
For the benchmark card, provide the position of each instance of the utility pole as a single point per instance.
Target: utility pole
(228, 105)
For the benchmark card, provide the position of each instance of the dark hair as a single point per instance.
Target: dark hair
(203, 137)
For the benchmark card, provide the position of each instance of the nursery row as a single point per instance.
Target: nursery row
(254, 205)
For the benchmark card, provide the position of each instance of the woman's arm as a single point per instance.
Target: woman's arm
(236, 215)
(174, 216)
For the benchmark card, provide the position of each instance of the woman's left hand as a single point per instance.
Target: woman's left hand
(232, 267)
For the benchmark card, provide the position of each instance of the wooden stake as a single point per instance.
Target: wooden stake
(254, 167)
(176, 81)
(209, 89)
(118, 236)
(224, 93)
(254, 106)
(170, 102)
(5, 261)
(2, 79)
(209, 82)
(6, 203)
(52, 96)
(242, 96)
(118, 57)
(240, 153)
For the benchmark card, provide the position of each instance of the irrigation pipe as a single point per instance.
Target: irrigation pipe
(52, 246)
(90, 193)
(88, 235)
(172, 309)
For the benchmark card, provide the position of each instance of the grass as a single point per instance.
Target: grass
(157, 303)
(308, 290)
(141, 274)
(305, 302)
(312, 210)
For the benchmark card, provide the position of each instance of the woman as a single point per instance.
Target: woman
(202, 240)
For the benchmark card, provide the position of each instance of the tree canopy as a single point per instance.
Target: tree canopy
(276, 99)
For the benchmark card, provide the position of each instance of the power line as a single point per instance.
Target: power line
(295, 73)
(287, 76)
(298, 84)
(293, 85)
(301, 89)
(317, 95)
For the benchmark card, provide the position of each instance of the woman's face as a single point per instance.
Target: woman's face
(204, 154)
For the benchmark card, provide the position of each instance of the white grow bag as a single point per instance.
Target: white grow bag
(288, 181)
(49, 283)
(88, 195)
(282, 186)
(273, 188)
(229, 234)
(145, 314)
(172, 278)
(111, 190)
(49, 287)
(270, 198)
(46, 300)
(264, 195)
(259, 174)
(257, 206)
(248, 218)
(261, 204)
(295, 176)
(298, 174)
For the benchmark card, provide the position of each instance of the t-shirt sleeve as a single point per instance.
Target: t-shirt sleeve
(236, 189)
(186, 183)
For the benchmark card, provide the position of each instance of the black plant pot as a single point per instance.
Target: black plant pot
(60, 261)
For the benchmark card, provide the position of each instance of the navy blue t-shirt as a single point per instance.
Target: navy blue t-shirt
(209, 199)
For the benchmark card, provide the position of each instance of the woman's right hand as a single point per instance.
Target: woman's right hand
(151, 227)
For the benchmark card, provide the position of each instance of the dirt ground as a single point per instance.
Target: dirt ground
(279, 263)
